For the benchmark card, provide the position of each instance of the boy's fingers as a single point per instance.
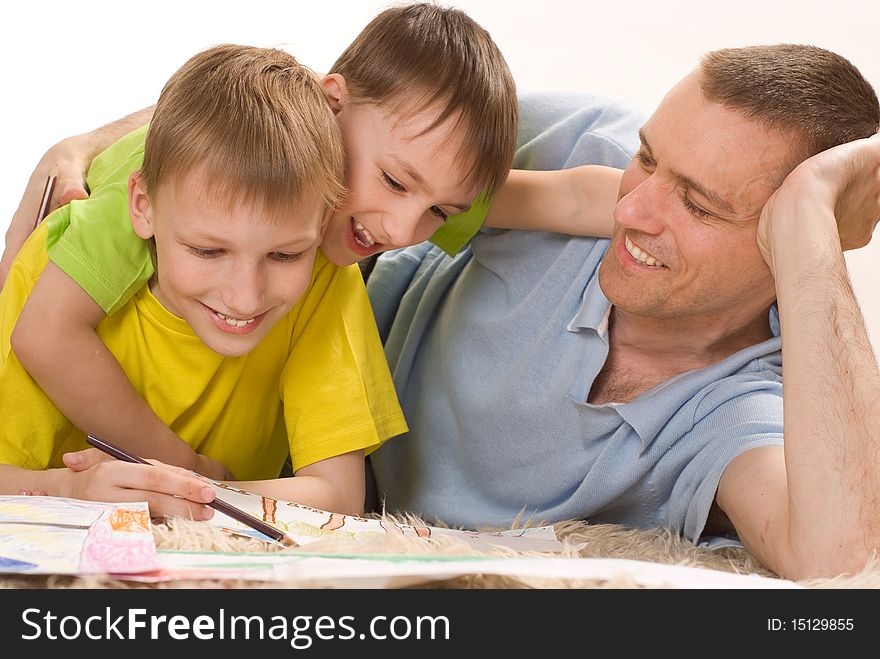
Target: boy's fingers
(85, 459)
(70, 190)
(170, 481)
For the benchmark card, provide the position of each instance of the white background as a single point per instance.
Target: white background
(66, 67)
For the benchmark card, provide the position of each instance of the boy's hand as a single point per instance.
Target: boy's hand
(68, 160)
(170, 491)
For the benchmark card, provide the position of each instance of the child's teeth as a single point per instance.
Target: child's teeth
(363, 236)
(234, 322)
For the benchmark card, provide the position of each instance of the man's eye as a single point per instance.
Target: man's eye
(391, 183)
(693, 208)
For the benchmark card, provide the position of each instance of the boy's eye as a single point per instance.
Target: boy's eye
(391, 183)
(439, 212)
(205, 253)
(286, 257)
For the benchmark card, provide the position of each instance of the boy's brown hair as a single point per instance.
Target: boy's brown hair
(257, 120)
(449, 62)
(812, 94)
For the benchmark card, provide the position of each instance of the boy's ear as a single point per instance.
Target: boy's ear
(336, 91)
(326, 220)
(139, 207)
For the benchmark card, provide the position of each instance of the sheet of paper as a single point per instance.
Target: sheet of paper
(306, 525)
(401, 571)
(53, 535)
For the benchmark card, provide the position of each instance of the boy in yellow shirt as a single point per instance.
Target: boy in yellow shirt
(247, 342)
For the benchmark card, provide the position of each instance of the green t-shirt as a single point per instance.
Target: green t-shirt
(101, 252)
(98, 248)
(459, 229)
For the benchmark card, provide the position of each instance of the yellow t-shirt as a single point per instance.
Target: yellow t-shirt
(317, 384)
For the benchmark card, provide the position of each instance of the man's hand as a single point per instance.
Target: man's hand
(844, 180)
(68, 160)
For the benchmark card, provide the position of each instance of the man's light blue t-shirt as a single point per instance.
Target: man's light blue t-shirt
(494, 353)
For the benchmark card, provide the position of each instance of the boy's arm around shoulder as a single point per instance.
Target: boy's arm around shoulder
(55, 339)
(572, 148)
(68, 160)
(578, 201)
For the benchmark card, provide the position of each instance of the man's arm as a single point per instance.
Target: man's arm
(812, 508)
(69, 160)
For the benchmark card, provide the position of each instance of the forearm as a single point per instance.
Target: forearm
(578, 201)
(832, 393)
(109, 406)
(314, 491)
(14, 479)
(100, 138)
(334, 484)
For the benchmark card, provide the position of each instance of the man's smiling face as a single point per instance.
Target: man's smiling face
(684, 242)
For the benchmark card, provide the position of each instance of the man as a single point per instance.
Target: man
(640, 381)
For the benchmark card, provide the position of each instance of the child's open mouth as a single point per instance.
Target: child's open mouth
(361, 240)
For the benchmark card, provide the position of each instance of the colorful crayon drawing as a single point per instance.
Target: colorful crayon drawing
(305, 524)
(53, 535)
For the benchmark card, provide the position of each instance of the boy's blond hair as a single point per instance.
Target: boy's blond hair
(257, 120)
(450, 63)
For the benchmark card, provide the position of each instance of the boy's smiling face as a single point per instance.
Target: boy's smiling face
(402, 182)
(222, 265)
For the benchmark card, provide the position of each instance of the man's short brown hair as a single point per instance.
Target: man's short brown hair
(812, 94)
(257, 120)
(450, 63)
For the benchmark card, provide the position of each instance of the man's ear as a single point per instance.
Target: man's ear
(336, 91)
(139, 207)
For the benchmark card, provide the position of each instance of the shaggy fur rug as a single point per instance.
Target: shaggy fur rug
(578, 538)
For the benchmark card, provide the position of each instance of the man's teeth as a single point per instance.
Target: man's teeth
(364, 237)
(234, 322)
(639, 255)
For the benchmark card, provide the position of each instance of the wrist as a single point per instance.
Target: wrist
(803, 240)
(55, 482)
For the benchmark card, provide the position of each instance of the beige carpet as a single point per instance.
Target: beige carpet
(579, 539)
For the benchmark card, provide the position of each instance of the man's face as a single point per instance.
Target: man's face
(402, 183)
(224, 266)
(684, 242)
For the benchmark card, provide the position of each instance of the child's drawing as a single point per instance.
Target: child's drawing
(305, 524)
(52, 535)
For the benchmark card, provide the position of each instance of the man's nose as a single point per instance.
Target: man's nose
(643, 207)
